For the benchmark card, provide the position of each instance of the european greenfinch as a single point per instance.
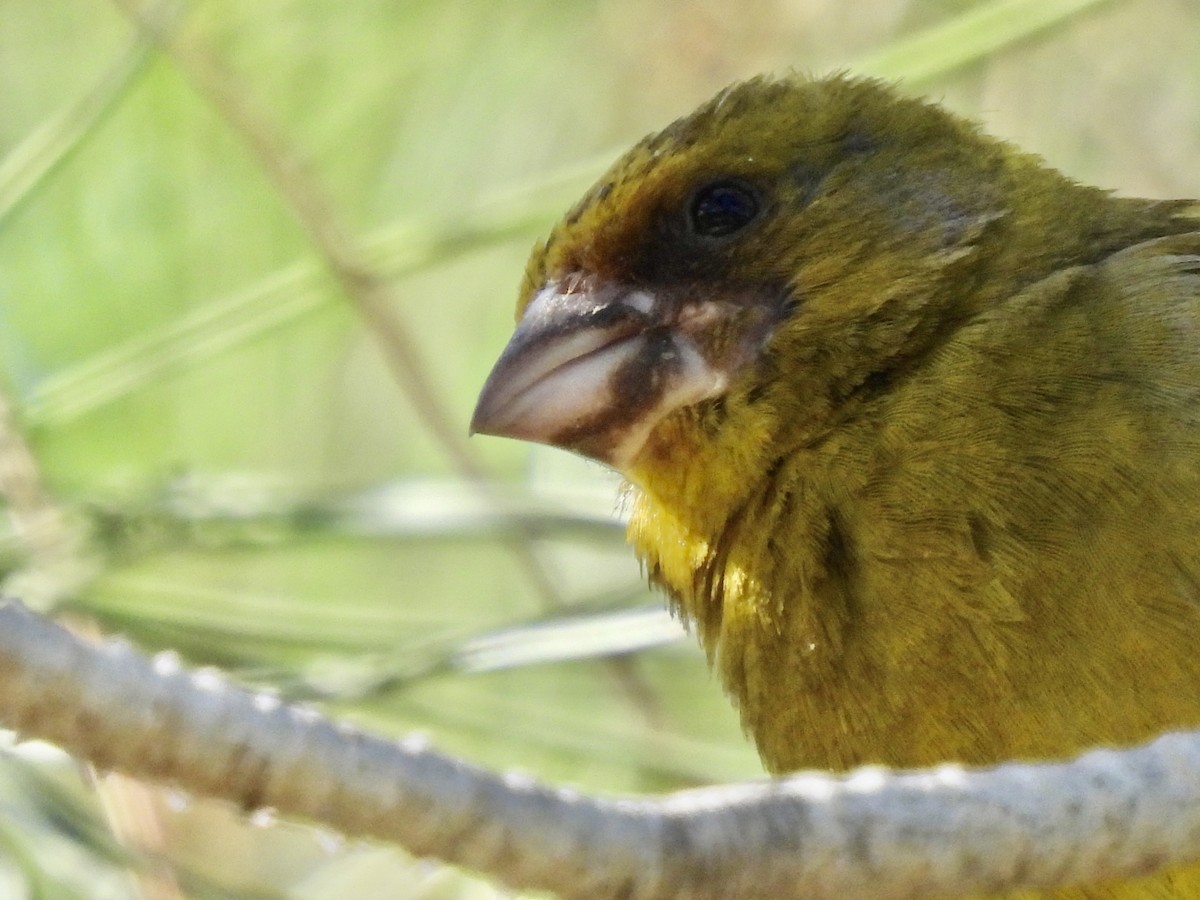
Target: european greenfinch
(911, 424)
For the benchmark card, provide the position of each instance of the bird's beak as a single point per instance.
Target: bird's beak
(594, 368)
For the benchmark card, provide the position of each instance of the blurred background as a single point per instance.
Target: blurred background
(256, 260)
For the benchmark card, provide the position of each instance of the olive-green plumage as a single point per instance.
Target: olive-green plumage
(944, 503)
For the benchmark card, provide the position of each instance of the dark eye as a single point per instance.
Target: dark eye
(722, 208)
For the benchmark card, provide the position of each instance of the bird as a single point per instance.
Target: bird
(909, 423)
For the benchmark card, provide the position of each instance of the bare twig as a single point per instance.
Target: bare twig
(872, 833)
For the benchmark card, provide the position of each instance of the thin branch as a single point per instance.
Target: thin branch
(303, 197)
(279, 299)
(873, 833)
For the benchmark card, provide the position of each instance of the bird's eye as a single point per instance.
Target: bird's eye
(721, 209)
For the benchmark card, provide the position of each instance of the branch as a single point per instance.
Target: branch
(872, 833)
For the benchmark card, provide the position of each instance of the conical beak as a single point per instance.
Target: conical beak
(593, 371)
